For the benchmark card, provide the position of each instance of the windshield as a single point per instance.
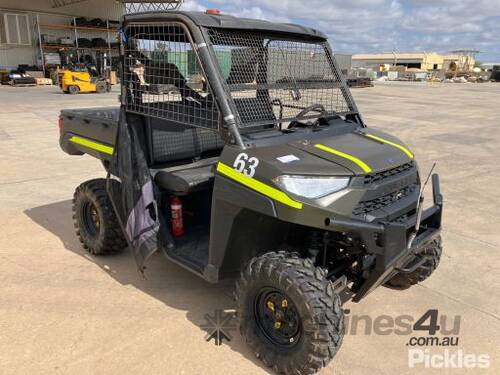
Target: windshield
(273, 80)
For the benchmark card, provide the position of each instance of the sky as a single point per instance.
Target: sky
(358, 26)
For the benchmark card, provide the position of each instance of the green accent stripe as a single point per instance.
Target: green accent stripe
(91, 144)
(360, 163)
(398, 146)
(258, 186)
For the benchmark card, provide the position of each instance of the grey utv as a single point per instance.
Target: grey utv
(251, 126)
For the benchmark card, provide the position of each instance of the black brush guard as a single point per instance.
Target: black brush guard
(388, 242)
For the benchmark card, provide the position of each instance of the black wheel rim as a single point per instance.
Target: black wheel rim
(277, 318)
(90, 219)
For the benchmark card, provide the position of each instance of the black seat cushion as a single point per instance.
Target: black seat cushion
(188, 180)
(172, 142)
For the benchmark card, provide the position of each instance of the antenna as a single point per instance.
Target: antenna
(140, 6)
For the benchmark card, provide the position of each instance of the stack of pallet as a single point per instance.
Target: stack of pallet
(43, 81)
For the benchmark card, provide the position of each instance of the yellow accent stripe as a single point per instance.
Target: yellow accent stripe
(258, 186)
(402, 148)
(360, 163)
(91, 144)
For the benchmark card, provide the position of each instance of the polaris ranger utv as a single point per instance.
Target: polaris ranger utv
(261, 169)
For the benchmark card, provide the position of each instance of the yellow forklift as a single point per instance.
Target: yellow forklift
(78, 78)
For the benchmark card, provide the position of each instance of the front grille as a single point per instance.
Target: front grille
(404, 218)
(373, 178)
(371, 205)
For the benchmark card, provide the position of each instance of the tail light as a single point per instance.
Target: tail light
(213, 11)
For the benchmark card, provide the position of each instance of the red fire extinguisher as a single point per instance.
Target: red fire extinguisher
(176, 214)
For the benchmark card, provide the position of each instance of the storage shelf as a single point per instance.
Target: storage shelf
(75, 31)
(83, 28)
(67, 47)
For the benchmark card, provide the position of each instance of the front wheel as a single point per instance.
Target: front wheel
(289, 313)
(73, 90)
(431, 255)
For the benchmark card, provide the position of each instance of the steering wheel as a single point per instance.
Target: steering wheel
(315, 107)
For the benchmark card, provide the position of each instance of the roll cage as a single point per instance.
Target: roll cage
(229, 74)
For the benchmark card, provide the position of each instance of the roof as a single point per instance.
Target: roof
(402, 56)
(227, 21)
(391, 55)
(451, 57)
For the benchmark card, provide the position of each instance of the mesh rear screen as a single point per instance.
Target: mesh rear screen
(271, 80)
(164, 78)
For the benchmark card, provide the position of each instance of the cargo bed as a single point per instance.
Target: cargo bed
(89, 131)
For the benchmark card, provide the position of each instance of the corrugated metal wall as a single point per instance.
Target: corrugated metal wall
(90, 8)
(11, 56)
(344, 62)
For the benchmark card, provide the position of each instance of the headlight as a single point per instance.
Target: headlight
(311, 186)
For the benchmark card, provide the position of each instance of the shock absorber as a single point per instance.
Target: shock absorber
(314, 244)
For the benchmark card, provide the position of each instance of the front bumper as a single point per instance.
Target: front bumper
(387, 241)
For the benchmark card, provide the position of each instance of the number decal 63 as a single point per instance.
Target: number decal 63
(246, 164)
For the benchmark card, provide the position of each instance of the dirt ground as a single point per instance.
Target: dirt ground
(63, 311)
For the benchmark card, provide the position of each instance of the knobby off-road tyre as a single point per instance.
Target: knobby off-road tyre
(311, 325)
(94, 218)
(432, 253)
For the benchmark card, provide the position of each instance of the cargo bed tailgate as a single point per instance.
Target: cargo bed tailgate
(89, 130)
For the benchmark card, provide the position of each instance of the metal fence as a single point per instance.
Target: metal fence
(271, 79)
(164, 78)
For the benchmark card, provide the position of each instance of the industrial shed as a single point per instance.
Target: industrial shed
(344, 61)
(41, 33)
(418, 60)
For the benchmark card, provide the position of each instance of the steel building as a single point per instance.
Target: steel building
(44, 32)
(344, 61)
(419, 60)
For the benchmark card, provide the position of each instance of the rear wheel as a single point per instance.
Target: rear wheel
(73, 90)
(289, 313)
(94, 218)
(432, 255)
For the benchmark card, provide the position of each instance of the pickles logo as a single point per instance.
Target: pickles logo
(219, 326)
(448, 359)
